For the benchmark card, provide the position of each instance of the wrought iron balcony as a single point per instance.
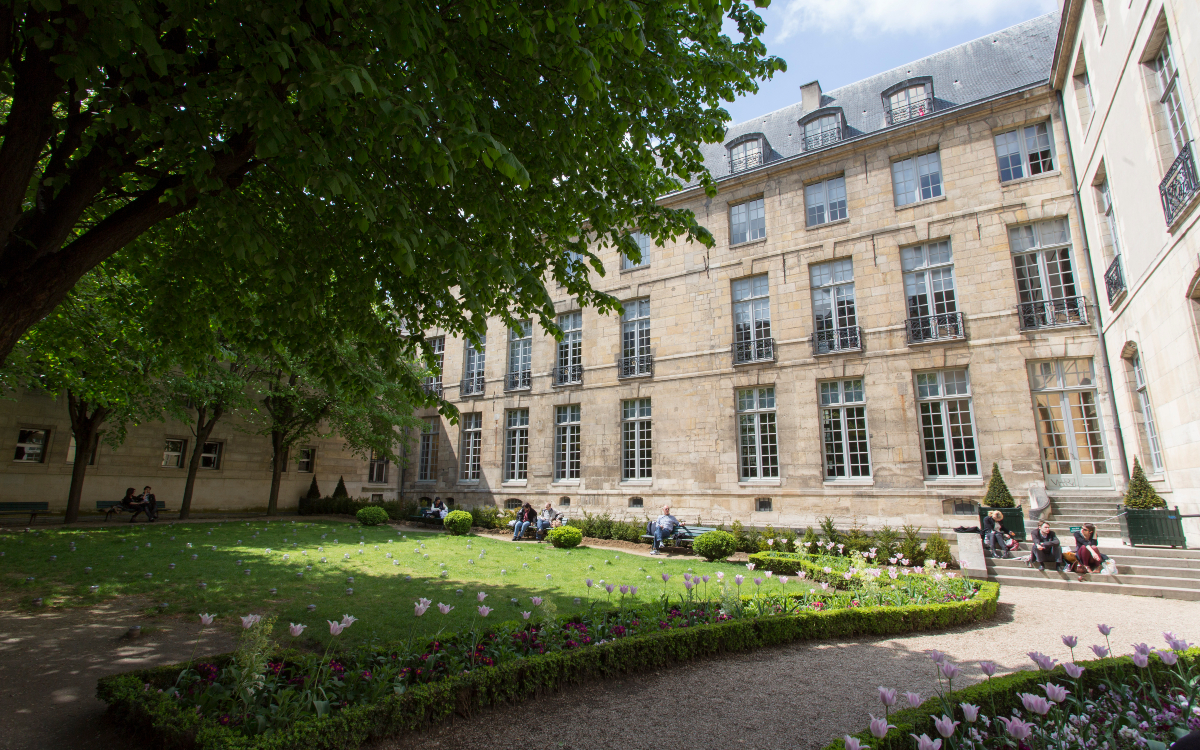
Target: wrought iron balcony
(1180, 186)
(755, 350)
(432, 387)
(847, 339)
(742, 163)
(518, 381)
(638, 365)
(1114, 280)
(1053, 313)
(568, 375)
(822, 139)
(941, 327)
(911, 111)
(471, 385)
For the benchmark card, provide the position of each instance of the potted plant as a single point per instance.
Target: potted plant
(1145, 518)
(999, 498)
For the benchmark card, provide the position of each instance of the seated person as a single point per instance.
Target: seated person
(438, 509)
(1046, 548)
(134, 503)
(995, 536)
(663, 528)
(525, 516)
(1087, 549)
(546, 519)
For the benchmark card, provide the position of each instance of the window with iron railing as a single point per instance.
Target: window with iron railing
(569, 367)
(752, 340)
(1180, 187)
(835, 318)
(909, 103)
(822, 131)
(746, 155)
(930, 293)
(636, 359)
(1048, 294)
(520, 357)
(474, 360)
(433, 383)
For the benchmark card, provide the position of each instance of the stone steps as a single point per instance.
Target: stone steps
(1141, 571)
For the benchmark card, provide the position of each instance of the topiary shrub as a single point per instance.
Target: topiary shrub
(809, 543)
(314, 492)
(340, 492)
(937, 549)
(457, 522)
(714, 545)
(998, 495)
(372, 515)
(910, 546)
(886, 538)
(565, 537)
(1141, 494)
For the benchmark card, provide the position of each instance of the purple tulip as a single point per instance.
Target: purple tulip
(853, 744)
(666, 577)
(1044, 662)
(1073, 670)
(588, 582)
(1141, 648)
(704, 578)
(945, 726)
(1035, 703)
(537, 600)
(633, 590)
(624, 589)
(887, 696)
(738, 579)
(950, 671)
(970, 712)
(1070, 641)
(924, 743)
(1056, 693)
(937, 657)
(1017, 729)
(988, 667)
(1141, 660)
(1105, 630)
(758, 581)
(688, 585)
(914, 699)
(1099, 651)
(1168, 657)
(880, 727)
(609, 588)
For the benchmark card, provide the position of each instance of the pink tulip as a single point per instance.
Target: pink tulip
(295, 629)
(1056, 693)
(526, 615)
(688, 585)
(828, 569)
(937, 657)
(666, 577)
(484, 611)
(250, 621)
(924, 743)
(1017, 729)
(624, 589)
(207, 619)
(419, 608)
(720, 576)
(750, 567)
(1035, 703)
(1141, 648)
(853, 744)
(758, 581)
(767, 574)
(1141, 660)
(945, 726)
(444, 608)
(771, 543)
(1070, 641)
(1105, 630)
(783, 580)
(1044, 662)
(970, 712)
(880, 727)
(1073, 670)
(918, 569)
(1100, 651)
(348, 620)
(950, 671)
(704, 578)
(335, 628)
(802, 575)
(887, 696)
(847, 576)
(537, 600)
(824, 586)
(587, 582)
(914, 699)
(738, 579)
(1168, 657)
(609, 588)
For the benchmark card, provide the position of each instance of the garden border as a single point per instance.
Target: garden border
(135, 702)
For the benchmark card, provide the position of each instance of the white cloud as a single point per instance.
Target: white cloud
(868, 18)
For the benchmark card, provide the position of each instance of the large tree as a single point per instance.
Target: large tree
(465, 145)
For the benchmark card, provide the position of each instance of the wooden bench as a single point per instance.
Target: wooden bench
(20, 509)
(114, 506)
(683, 536)
(431, 520)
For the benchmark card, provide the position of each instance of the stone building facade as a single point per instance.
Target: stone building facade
(1129, 76)
(898, 297)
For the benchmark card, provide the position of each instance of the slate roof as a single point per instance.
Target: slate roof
(1008, 60)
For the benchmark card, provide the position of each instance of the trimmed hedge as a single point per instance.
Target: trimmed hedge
(349, 506)
(1002, 692)
(457, 522)
(565, 537)
(791, 563)
(714, 545)
(142, 709)
(372, 515)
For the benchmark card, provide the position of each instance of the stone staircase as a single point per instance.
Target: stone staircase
(1141, 571)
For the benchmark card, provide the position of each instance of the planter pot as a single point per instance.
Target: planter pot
(1161, 527)
(1014, 519)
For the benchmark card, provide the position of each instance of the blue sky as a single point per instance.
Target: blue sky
(841, 41)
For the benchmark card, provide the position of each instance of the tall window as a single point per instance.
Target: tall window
(474, 359)
(757, 438)
(433, 383)
(1170, 97)
(746, 155)
(516, 445)
(173, 452)
(211, 455)
(947, 428)
(31, 446)
(643, 243)
(306, 460)
(835, 323)
(566, 442)
(909, 103)
(826, 201)
(822, 131)
(1101, 16)
(747, 221)
(752, 320)
(472, 445)
(520, 356)
(570, 350)
(1104, 195)
(377, 468)
(917, 179)
(844, 427)
(1070, 434)
(1025, 152)
(635, 339)
(1149, 433)
(636, 456)
(427, 456)
(1083, 91)
(1047, 294)
(929, 291)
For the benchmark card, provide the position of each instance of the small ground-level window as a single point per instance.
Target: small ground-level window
(635, 502)
(512, 504)
(564, 502)
(425, 502)
(762, 503)
(377, 498)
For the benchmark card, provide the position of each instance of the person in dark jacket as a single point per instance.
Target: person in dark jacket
(527, 516)
(1046, 548)
(1087, 549)
(135, 503)
(995, 536)
(151, 502)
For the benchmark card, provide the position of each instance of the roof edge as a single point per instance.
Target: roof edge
(1068, 27)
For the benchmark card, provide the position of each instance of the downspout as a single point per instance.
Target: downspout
(1112, 394)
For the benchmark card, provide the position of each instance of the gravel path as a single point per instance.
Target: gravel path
(804, 695)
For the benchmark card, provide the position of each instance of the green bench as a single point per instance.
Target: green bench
(20, 509)
(114, 506)
(431, 520)
(683, 536)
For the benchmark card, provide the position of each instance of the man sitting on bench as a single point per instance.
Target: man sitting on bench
(135, 503)
(151, 503)
(664, 528)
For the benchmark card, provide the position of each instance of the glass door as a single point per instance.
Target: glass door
(1070, 431)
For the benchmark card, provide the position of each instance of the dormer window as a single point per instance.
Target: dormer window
(822, 131)
(908, 102)
(746, 154)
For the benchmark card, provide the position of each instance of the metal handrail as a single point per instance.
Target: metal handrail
(912, 111)
(823, 138)
(568, 375)
(517, 381)
(471, 385)
(1180, 184)
(754, 350)
(742, 163)
(938, 327)
(1053, 313)
(432, 387)
(837, 340)
(635, 366)
(1114, 280)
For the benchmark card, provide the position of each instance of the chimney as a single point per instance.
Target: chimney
(810, 96)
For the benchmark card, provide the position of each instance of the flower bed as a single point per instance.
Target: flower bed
(1145, 700)
(854, 569)
(257, 698)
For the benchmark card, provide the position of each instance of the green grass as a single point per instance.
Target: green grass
(382, 599)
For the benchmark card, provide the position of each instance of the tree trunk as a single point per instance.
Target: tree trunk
(86, 429)
(204, 428)
(278, 457)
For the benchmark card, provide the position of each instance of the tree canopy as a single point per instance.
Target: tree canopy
(439, 145)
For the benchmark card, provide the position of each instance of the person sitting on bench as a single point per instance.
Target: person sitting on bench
(664, 528)
(995, 536)
(437, 510)
(134, 503)
(525, 516)
(546, 520)
(151, 503)
(1046, 548)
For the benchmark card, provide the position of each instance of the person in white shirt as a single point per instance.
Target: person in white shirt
(663, 528)
(546, 520)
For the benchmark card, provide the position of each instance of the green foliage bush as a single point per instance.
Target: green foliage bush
(314, 492)
(998, 495)
(714, 545)
(910, 546)
(486, 517)
(886, 541)
(937, 549)
(372, 515)
(396, 510)
(565, 537)
(457, 522)
(604, 526)
(144, 710)
(809, 542)
(340, 492)
(830, 531)
(1141, 494)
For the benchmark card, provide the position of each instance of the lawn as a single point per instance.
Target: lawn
(284, 567)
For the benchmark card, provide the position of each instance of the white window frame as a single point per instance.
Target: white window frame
(843, 423)
(747, 221)
(833, 291)
(928, 274)
(752, 318)
(1051, 294)
(306, 462)
(635, 337)
(434, 381)
(28, 449)
(472, 447)
(520, 357)
(941, 396)
(746, 151)
(1171, 100)
(758, 434)
(1142, 393)
(427, 451)
(825, 201)
(917, 178)
(516, 445)
(637, 457)
(212, 455)
(1109, 212)
(901, 102)
(172, 459)
(643, 242)
(570, 349)
(1032, 147)
(474, 362)
(567, 454)
(818, 129)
